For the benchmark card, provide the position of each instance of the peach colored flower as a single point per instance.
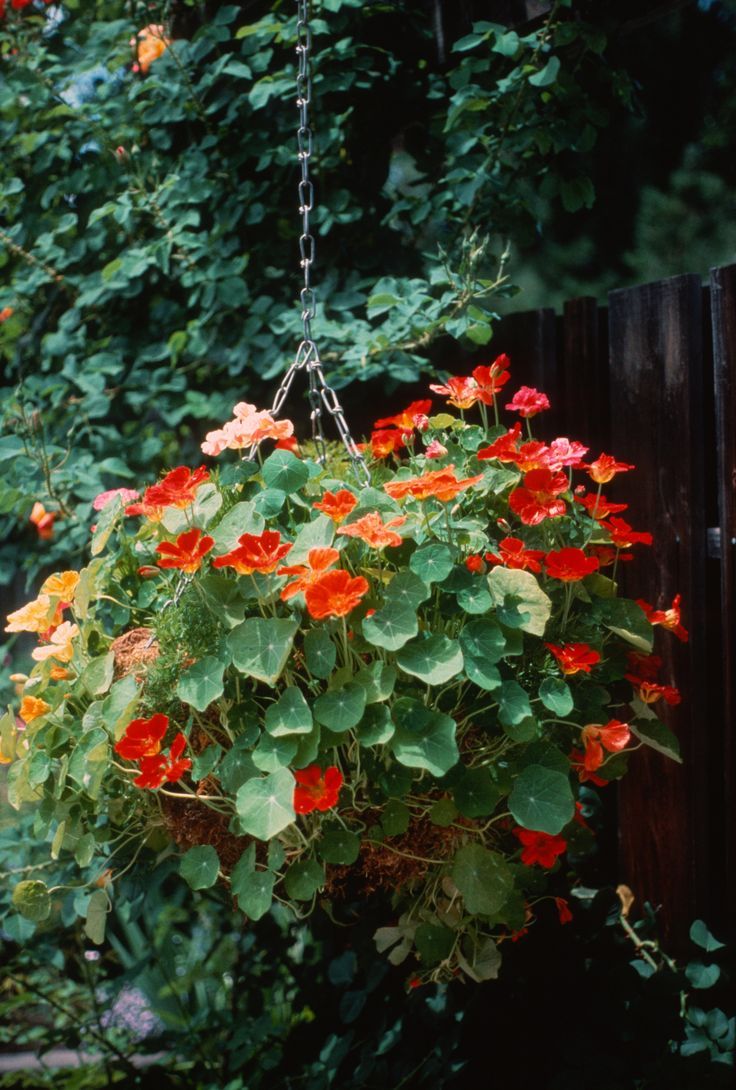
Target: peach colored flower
(59, 646)
(43, 520)
(35, 616)
(61, 584)
(374, 531)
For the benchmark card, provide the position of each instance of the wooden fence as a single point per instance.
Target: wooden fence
(652, 380)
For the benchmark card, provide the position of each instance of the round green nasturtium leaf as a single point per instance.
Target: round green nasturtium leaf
(261, 647)
(395, 817)
(304, 879)
(98, 674)
(308, 749)
(320, 653)
(476, 795)
(432, 563)
(289, 714)
(483, 879)
(253, 888)
(407, 589)
(394, 782)
(443, 813)
(339, 846)
(480, 958)
(391, 626)
(240, 519)
(473, 596)
(237, 765)
(269, 502)
(32, 899)
(542, 799)
(378, 680)
(433, 659)
(341, 709)
(513, 704)
(202, 683)
(265, 805)
(483, 644)
(284, 470)
(556, 696)
(376, 727)
(200, 866)
(627, 620)
(273, 753)
(424, 738)
(433, 942)
(519, 600)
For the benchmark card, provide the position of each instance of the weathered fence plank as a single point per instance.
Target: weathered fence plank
(529, 338)
(723, 308)
(656, 390)
(584, 371)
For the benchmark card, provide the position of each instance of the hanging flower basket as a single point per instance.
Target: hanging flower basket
(320, 692)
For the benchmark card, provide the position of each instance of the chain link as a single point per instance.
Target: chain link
(321, 396)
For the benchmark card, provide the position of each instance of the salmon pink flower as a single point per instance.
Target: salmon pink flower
(103, 498)
(613, 737)
(605, 468)
(177, 489)
(527, 402)
(513, 553)
(374, 531)
(460, 391)
(337, 505)
(538, 498)
(316, 790)
(413, 416)
(441, 484)
(318, 562)
(215, 442)
(563, 452)
(624, 536)
(187, 553)
(335, 594)
(539, 847)
(435, 449)
(255, 553)
(143, 737)
(59, 646)
(569, 564)
(32, 707)
(575, 658)
(667, 618)
(43, 520)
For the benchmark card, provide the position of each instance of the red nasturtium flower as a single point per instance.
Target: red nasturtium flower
(605, 468)
(539, 847)
(532, 455)
(613, 737)
(177, 489)
(337, 505)
(334, 594)
(316, 790)
(624, 536)
(539, 497)
(186, 553)
(563, 910)
(527, 402)
(598, 507)
(503, 449)
(569, 564)
(161, 769)
(490, 380)
(643, 666)
(460, 391)
(667, 618)
(413, 416)
(255, 553)
(475, 564)
(575, 658)
(143, 737)
(374, 531)
(318, 562)
(577, 762)
(440, 484)
(513, 553)
(649, 692)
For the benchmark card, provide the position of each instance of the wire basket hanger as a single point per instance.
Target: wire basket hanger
(321, 395)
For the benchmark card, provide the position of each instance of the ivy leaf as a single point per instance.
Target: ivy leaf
(520, 601)
(542, 799)
(260, 647)
(701, 975)
(424, 738)
(201, 684)
(547, 75)
(433, 659)
(483, 878)
(702, 937)
(341, 709)
(265, 805)
(290, 714)
(200, 866)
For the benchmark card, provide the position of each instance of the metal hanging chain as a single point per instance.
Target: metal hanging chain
(307, 355)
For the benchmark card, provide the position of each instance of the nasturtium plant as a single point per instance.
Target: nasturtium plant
(397, 686)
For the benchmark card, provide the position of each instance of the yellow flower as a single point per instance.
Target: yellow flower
(32, 707)
(36, 616)
(60, 645)
(61, 584)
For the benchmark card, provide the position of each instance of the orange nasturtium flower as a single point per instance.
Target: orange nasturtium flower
(337, 505)
(32, 707)
(255, 553)
(385, 441)
(460, 391)
(316, 790)
(143, 737)
(441, 484)
(569, 564)
(61, 584)
(177, 489)
(539, 847)
(43, 520)
(667, 618)
(527, 402)
(374, 531)
(575, 658)
(413, 416)
(334, 594)
(186, 553)
(318, 561)
(35, 616)
(59, 646)
(148, 45)
(605, 468)
(613, 736)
